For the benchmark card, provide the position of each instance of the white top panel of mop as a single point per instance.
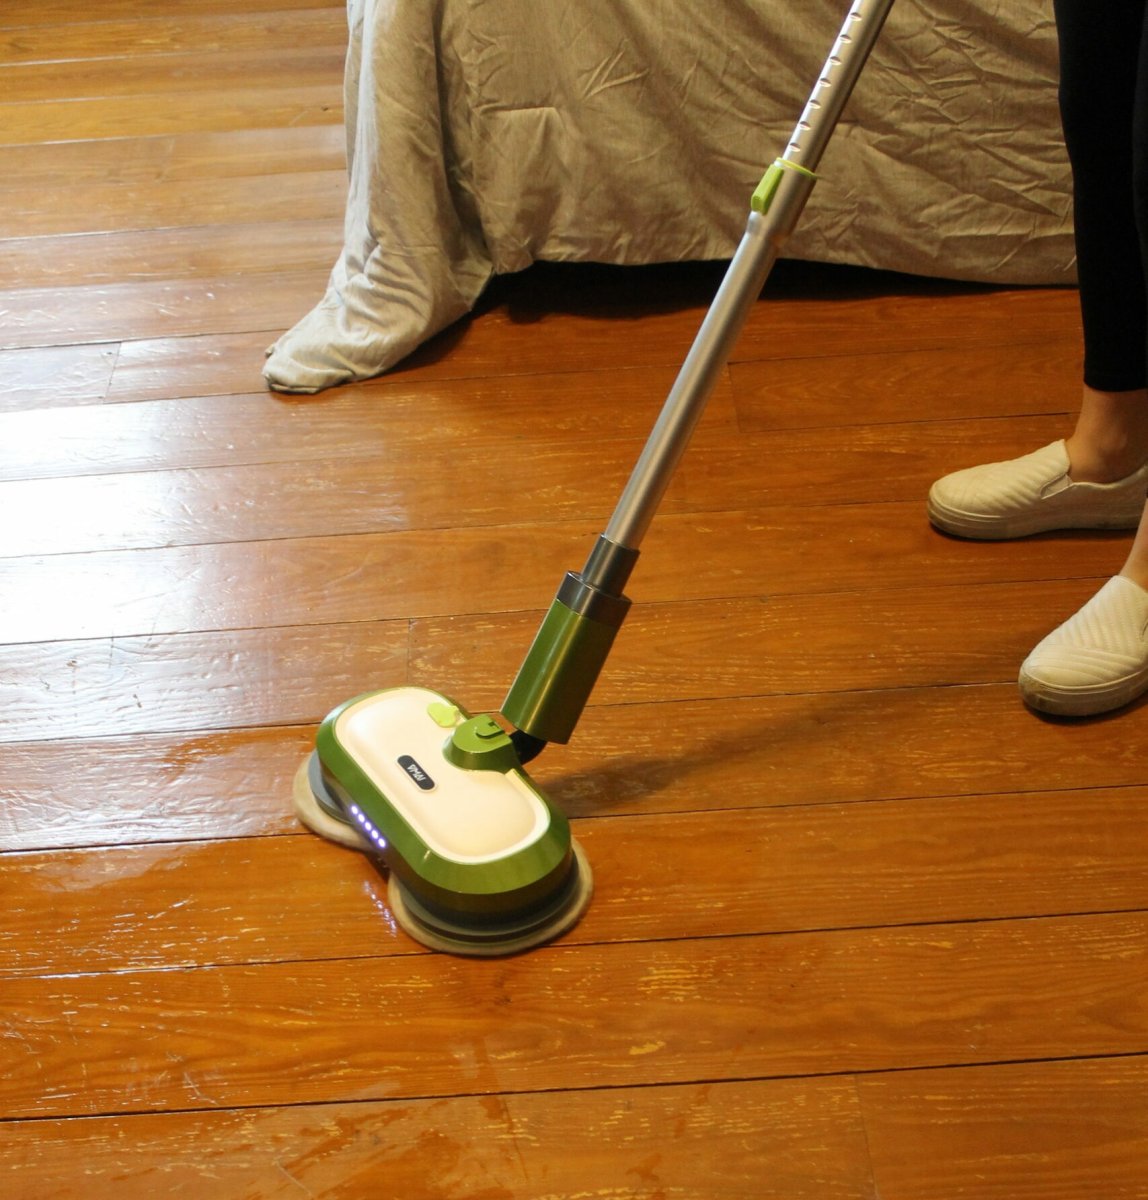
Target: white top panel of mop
(397, 738)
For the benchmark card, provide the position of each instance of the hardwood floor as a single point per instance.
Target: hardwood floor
(863, 926)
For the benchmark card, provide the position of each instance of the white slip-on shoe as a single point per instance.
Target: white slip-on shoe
(1033, 494)
(1097, 660)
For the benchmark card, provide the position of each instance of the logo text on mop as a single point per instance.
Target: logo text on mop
(416, 772)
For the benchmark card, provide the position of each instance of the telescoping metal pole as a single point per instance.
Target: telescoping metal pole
(775, 208)
(554, 682)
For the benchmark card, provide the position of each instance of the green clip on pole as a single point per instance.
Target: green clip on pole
(762, 197)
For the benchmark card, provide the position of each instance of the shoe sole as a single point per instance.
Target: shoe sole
(1000, 529)
(1081, 702)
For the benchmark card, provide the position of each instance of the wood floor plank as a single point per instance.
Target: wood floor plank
(191, 156)
(856, 747)
(557, 343)
(935, 385)
(152, 787)
(726, 649)
(55, 375)
(148, 77)
(1048, 1131)
(158, 33)
(827, 748)
(207, 430)
(581, 329)
(584, 335)
(111, 312)
(595, 1016)
(213, 251)
(918, 319)
(824, 748)
(776, 1140)
(172, 112)
(451, 571)
(855, 463)
(346, 495)
(710, 650)
(212, 365)
(656, 877)
(187, 204)
(20, 14)
(564, 480)
(296, 582)
(402, 417)
(154, 684)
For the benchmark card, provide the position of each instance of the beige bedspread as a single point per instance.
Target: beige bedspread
(486, 134)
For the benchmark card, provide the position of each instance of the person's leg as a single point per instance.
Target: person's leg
(1099, 51)
(1110, 438)
(1098, 105)
(1095, 477)
(1098, 659)
(1136, 565)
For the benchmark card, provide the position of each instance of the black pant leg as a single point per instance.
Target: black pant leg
(1100, 50)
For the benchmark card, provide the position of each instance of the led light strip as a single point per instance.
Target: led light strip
(368, 828)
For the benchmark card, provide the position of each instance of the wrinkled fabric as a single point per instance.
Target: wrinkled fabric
(484, 135)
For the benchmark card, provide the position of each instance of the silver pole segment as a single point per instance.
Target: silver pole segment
(778, 207)
(842, 68)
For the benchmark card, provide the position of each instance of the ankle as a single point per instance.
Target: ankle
(1110, 440)
(1136, 564)
(1090, 463)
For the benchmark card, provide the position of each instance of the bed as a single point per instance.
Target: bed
(485, 135)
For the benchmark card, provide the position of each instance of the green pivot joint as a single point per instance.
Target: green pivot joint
(571, 646)
(763, 196)
(481, 744)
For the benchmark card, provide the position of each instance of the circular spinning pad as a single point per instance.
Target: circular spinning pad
(316, 815)
(432, 928)
(494, 940)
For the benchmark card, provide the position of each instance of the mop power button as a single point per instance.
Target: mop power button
(416, 772)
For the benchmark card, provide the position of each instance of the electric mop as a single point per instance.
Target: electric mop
(479, 861)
